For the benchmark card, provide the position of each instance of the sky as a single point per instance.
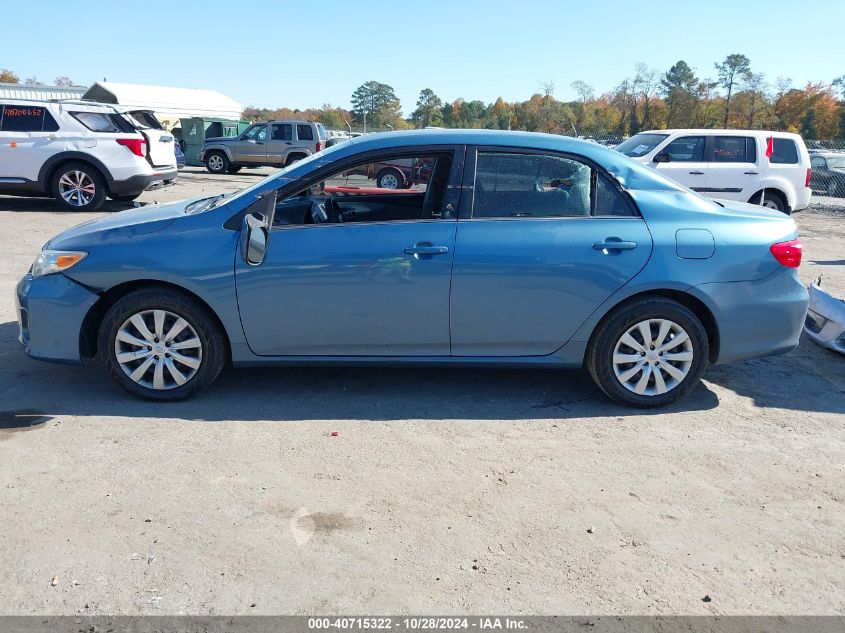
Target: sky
(309, 53)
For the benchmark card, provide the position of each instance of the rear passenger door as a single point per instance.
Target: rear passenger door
(734, 173)
(543, 239)
(305, 138)
(688, 162)
(29, 135)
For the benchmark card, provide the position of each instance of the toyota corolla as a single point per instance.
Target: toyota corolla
(515, 250)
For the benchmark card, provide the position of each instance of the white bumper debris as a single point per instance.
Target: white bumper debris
(825, 322)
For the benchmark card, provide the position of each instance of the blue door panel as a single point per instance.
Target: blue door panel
(523, 287)
(349, 290)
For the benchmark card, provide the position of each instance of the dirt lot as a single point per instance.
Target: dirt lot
(445, 491)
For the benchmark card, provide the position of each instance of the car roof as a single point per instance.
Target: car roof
(721, 132)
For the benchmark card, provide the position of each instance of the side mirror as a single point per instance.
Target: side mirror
(662, 158)
(254, 234)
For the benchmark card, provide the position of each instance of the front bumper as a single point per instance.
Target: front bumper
(142, 182)
(825, 322)
(757, 318)
(50, 312)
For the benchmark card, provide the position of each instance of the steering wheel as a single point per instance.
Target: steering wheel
(323, 212)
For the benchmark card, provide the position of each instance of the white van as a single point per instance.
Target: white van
(729, 164)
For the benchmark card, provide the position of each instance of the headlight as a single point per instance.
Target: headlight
(49, 262)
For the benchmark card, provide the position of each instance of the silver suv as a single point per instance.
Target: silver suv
(273, 143)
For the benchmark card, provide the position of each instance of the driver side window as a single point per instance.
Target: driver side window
(404, 187)
(256, 133)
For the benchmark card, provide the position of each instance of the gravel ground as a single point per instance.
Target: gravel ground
(447, 491)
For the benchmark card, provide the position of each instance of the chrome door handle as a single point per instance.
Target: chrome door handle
(288, 143)
(614, 244)
(697, 173)
(752, 173)
(426, 249)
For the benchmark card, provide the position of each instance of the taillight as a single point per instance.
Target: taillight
(136, 146)
(319, 146)
(807, 179)
(787, 253)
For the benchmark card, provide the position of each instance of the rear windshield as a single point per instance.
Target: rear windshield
(640, 144)
(144, 120)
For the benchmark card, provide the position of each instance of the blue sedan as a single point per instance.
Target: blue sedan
(512, 249)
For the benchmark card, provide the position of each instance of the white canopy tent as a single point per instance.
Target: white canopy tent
(169, 104)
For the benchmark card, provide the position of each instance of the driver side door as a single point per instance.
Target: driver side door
(251, 147)
(372, 285)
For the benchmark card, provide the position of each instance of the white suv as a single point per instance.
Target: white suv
(80, 152)
(730, 164)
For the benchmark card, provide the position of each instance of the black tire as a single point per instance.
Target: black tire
(62, 184)
(394, 174)
(127, 197)
(217, 162)
(610, 331)
(772, 200)
(234, 169)
(212, 353)
(293, 158)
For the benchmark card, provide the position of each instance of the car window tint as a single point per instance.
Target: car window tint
(96, 121)
(256, 133)
(49, 124)
(530, 185)
(785, 151)
(385, 190)
(734, 149)
(818, 162)
(685, 149)
(609, 198)
(22, 118)
(282, 132)
(304, 133)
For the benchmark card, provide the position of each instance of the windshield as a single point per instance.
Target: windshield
(640, 144)
(836, 162)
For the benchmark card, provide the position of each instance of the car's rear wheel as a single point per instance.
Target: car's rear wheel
(293, 158)
(772, 200)
(79, 187)
(649, 353)
(390, 179)
(217, 163)
(161, 345)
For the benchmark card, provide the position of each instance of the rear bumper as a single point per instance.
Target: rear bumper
(142, 182)
(50, 311)
(825, 323)
(757, 318)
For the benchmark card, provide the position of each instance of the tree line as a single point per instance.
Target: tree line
(732, 96)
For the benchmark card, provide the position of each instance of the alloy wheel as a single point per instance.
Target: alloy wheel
(158, 349)
(652, 357)
(77, 188)
(215, 162)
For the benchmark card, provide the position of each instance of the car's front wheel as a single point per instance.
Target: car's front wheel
(648, 353)
(161, 345)
(217, 163)
(79, 187)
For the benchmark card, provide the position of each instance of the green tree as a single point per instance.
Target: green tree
(808, 125)
(8, 77)
(429, 109)
(730, 71)
(375, 104)
(679, 86)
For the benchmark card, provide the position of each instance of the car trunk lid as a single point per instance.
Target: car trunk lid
(160, 142)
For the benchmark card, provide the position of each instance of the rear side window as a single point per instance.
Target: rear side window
(817, 162)
(26, 119)
(685, 149)
(282, 132)
(321, 131)
(785, 151)
(304, 133)
(96, 121)
(542, 186)
(735, 149)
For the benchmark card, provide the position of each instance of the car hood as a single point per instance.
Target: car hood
(221, 139)
(125, 224)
